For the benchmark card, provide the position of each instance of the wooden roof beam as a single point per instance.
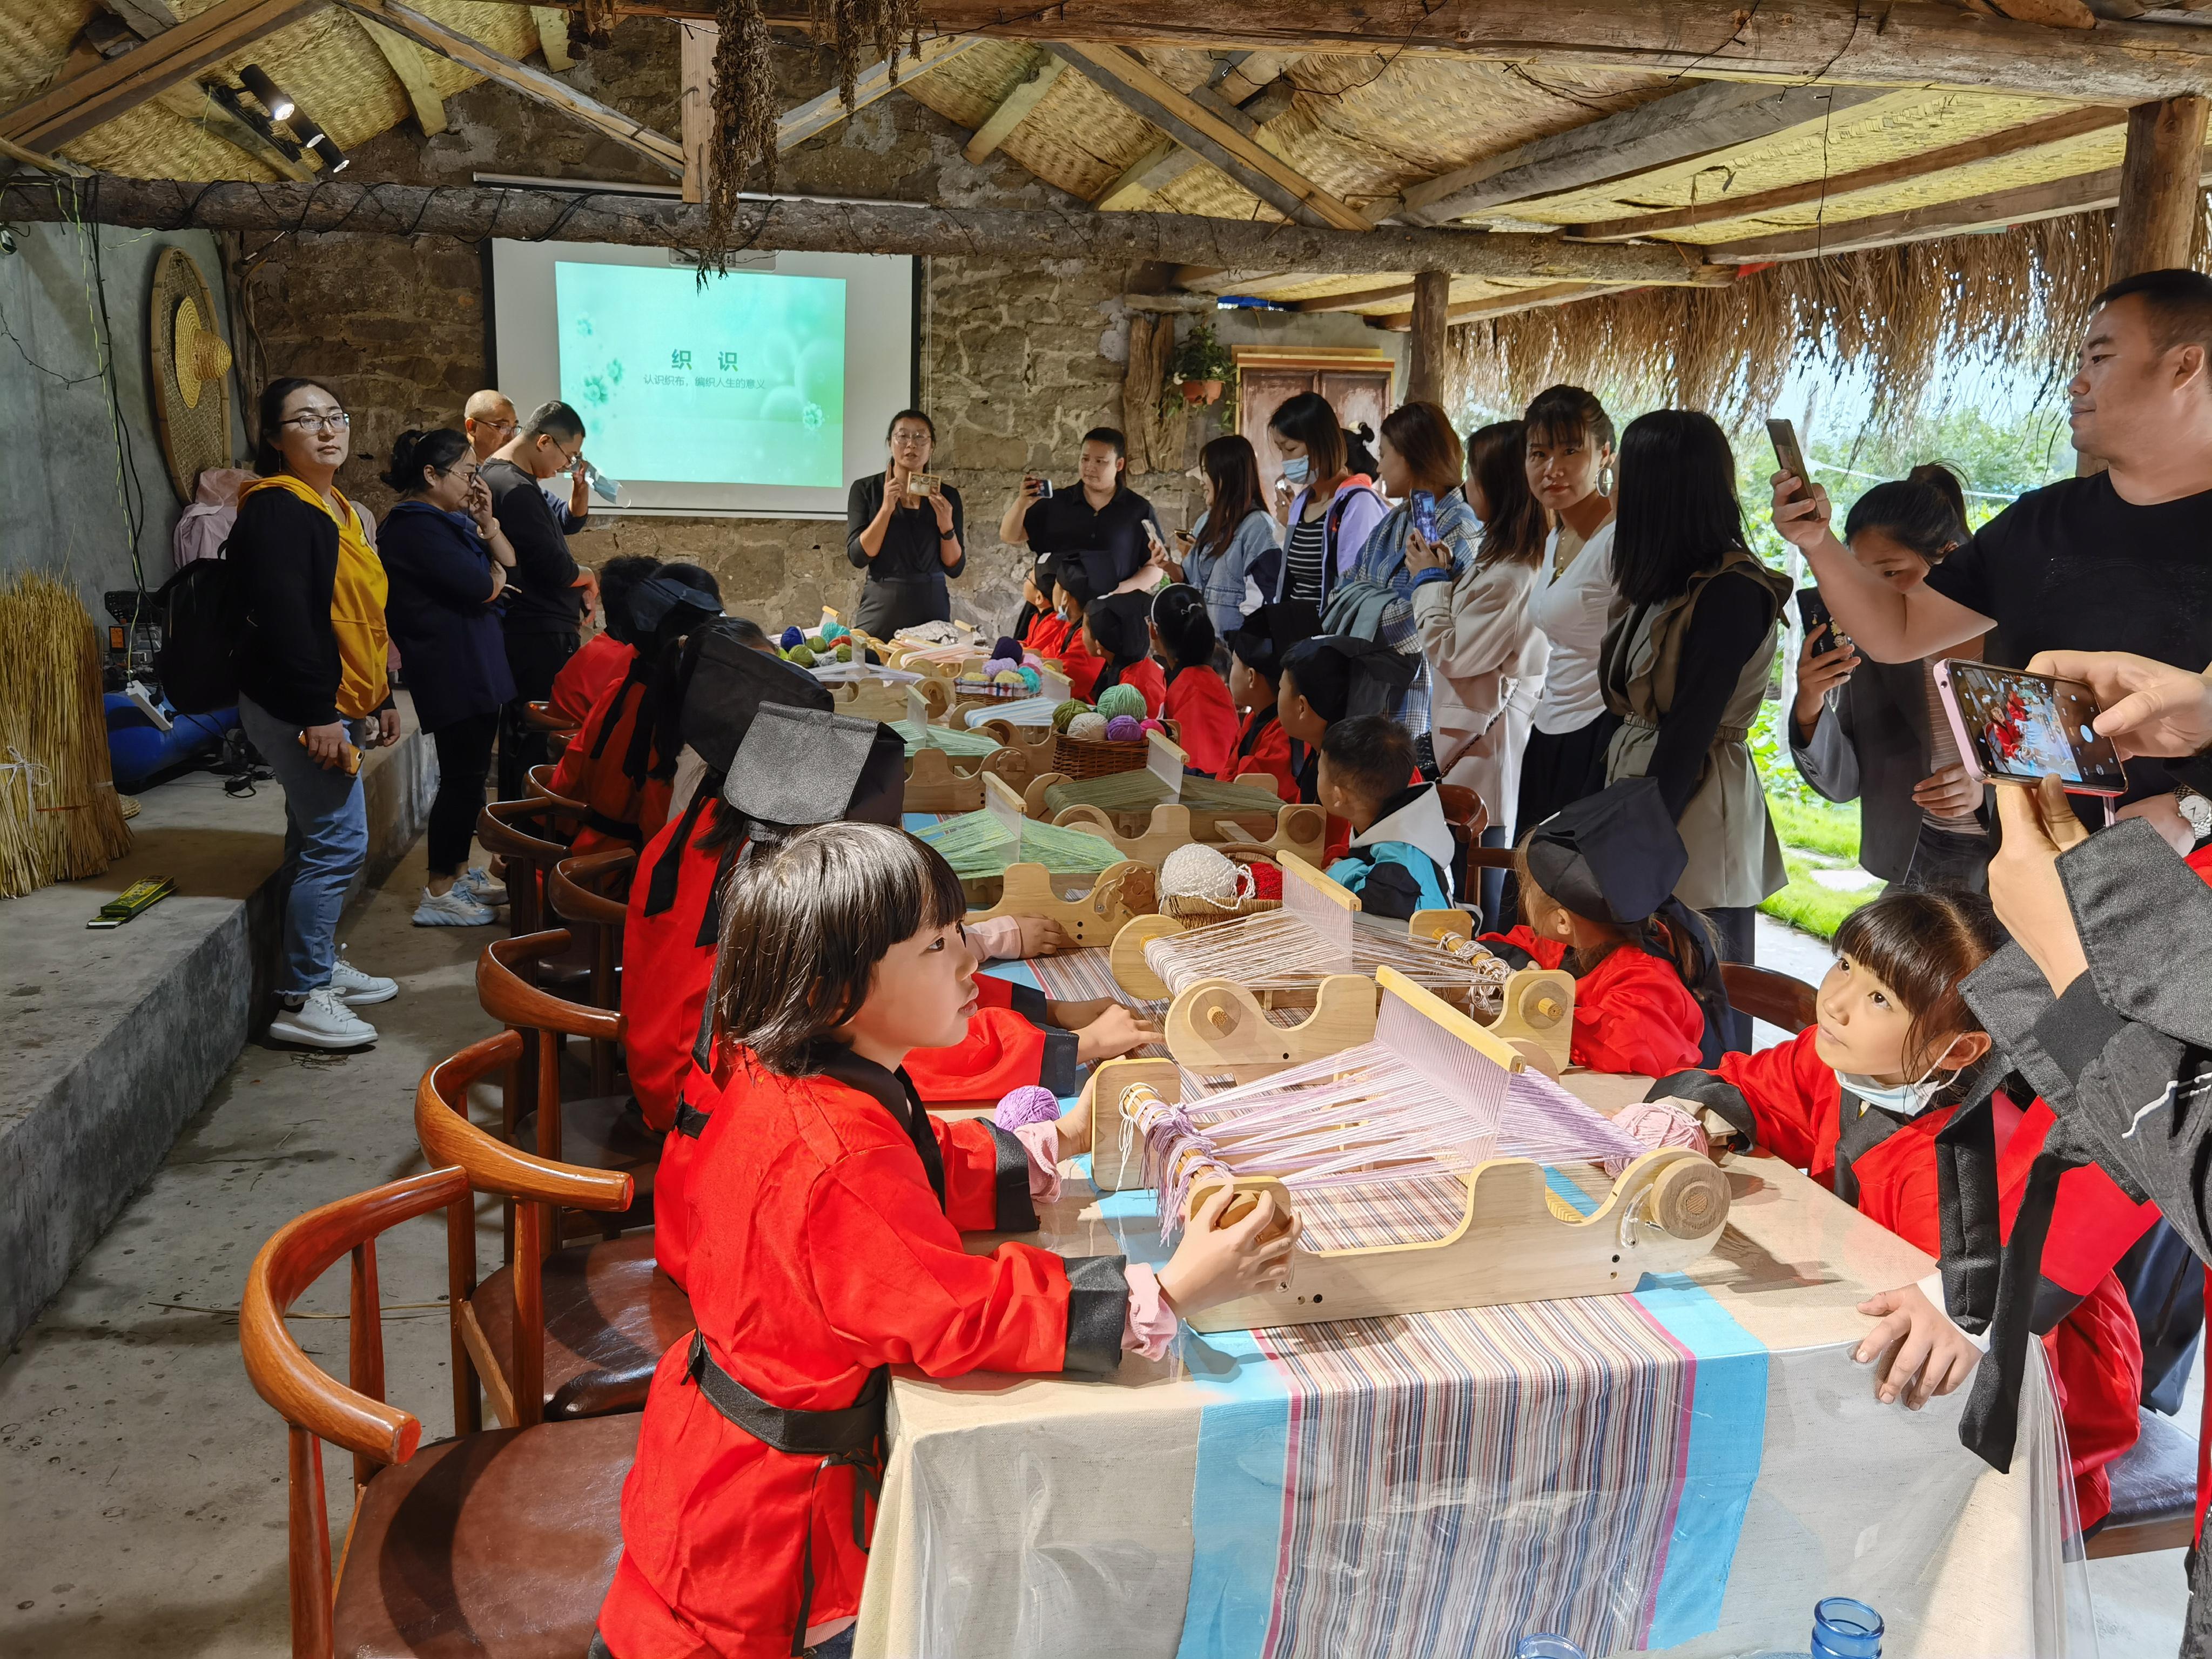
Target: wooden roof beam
(1712, 115)
(1354, 299)
(116, 85)
(1505, 305)
(1193, 125)
(1014, 108)
(879, 79)
(2056, 128)
(192, 100)
(1167, 161)
(600, 215)
(535, 84)
(410, 67)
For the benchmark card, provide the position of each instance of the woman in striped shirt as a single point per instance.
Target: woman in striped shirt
(1337, 506)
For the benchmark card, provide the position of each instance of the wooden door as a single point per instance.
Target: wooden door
(1356, 394)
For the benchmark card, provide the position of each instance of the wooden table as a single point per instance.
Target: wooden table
(1352, 1490)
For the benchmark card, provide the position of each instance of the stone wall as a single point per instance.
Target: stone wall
(1016, 363)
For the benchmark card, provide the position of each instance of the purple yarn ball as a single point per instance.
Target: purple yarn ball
(1125, 728)
(1030, 1103)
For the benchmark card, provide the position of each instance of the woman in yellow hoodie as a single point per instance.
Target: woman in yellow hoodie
(312, 691)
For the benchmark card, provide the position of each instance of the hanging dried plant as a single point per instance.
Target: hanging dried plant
(844, 26)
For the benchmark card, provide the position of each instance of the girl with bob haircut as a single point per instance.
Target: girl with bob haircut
(1873, 732)
(827, 1249)
(1117, 632)
(1686, 667)
(1196, 698)
(1860, 1101)
(1333, 507)
(1233, 538)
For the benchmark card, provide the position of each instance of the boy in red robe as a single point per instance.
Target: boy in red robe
(1255, 666)
(1597, 884)
(604, 658)
(829, 1250)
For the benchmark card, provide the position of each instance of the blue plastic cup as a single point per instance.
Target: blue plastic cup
(1845, 1629)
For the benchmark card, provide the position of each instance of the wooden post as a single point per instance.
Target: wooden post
(1425, 353)
(695, 45)
(2159, 187)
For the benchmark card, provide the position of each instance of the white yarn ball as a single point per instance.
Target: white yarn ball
(1196, 872)
(1091, 726)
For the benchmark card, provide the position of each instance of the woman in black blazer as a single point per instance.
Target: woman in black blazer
(448, 562)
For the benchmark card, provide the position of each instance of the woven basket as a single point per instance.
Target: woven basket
(1087, 757)
(1198, 912)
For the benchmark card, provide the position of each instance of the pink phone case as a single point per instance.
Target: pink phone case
(1970, 754)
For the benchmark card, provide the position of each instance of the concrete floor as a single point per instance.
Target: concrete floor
(145, 1508)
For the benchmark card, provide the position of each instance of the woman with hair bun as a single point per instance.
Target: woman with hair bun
(1873, 732)
(447, 559)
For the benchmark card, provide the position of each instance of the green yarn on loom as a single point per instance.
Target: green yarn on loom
(951, 741)
(1140, 791)
(977, 844)
(1122, 699)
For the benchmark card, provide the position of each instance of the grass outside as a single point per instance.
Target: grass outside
(1816, 836)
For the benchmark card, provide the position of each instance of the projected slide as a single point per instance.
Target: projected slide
(742, 382)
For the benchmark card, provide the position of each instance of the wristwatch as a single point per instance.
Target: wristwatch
(2195, 809)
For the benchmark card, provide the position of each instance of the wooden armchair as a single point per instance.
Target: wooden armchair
(589, 895)
(539, 781)
(531, 837)
(601, 1132)
(498, 1543)
(544, 717)
(1765, 994)
(606, 1311)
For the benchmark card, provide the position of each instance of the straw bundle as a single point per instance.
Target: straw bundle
(60, 819)
(1911, 317)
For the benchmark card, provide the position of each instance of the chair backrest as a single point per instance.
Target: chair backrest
(1778, 999)
(517, 831)
(1490, 858)
(539, 1189)
(582, 892)
(538, 780)
(544, 717)
(533, 1071)
(315, 1406)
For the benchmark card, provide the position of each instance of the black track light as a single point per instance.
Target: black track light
(274, 98)
(334, 161)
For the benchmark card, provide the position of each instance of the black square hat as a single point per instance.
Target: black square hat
(1615, 856)
(801, 766)
(663, 607)
(1269, 632)
(730, 682)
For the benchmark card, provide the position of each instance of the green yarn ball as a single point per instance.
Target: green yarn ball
(803, 656)
(1067, 711)
(1122, 699)
(844, 653)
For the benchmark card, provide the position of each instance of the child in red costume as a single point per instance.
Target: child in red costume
(827, 1250)
(1595, 881)
(607, 656)
(1861, 1102)
(1077, 661)
(1196, 699)
(615, 764)
(1262, 754)
(1118, 632)
(1039, 628)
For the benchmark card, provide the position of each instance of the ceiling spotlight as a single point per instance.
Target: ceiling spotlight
(274, 98)
(334, 159)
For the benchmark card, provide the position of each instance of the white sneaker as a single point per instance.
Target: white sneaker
(453, 908)
(357, 988)
(477, 883)
(322, 1022)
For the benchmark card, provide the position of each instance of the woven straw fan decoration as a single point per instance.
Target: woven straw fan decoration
(191, 369)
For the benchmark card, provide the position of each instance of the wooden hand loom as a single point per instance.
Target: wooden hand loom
(1093, 918)
(1515, 1241)
(940, 782)
(1298, 829)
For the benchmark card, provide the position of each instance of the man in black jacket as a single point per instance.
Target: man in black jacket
(545, 607)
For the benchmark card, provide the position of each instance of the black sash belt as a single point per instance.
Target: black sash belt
(851, 1437)
(614, 828)
(689, 1120)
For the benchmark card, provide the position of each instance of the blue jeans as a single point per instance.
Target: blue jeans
(326, 844)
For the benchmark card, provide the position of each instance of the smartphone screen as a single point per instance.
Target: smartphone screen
(1423, 506)
(2021, 727)
(1783, 435)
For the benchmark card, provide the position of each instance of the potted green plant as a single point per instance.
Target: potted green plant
(1201, 365)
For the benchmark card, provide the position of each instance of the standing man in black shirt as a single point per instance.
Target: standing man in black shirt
(1101, 525)
(545, 608)
(2118, 560)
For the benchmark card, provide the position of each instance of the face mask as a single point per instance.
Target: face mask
(1297, 469)
(1904, 1099)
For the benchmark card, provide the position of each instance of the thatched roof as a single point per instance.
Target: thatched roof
(1365, 128)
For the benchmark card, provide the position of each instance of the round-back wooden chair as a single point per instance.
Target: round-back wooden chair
(589, 895)
(1778, 999)
(509, 1536)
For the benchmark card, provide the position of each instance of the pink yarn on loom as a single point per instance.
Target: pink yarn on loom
(1655, 1123)
(1030, 1103)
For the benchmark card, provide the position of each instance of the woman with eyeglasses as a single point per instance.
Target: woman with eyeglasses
(545, 607)
(312, 691)
(448, 559)
(903, 527)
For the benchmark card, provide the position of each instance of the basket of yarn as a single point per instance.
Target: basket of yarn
(1122, 699)
(1086, 747)
(1199, 884)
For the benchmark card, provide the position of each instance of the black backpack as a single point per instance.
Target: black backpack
(203, 619)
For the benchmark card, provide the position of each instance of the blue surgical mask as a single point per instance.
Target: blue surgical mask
(1904, 1099)
(1298, 469)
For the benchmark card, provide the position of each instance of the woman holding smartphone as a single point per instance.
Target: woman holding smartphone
(905, 527)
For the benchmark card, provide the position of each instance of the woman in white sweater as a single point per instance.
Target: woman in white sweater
(1568, 448)
(1485, 652)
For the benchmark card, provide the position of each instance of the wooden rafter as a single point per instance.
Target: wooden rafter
(1714, 115)
(818, 115)
(2051, 130)
(1196, 127)
(1167, 161)
(410, 66)
(553, 37)
(532, 83)
(115, 85)
(1014, 108)
(1355, 299)
(190, 100)
(1505, 305)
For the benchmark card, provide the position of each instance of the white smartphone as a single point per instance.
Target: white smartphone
(2014, 727)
